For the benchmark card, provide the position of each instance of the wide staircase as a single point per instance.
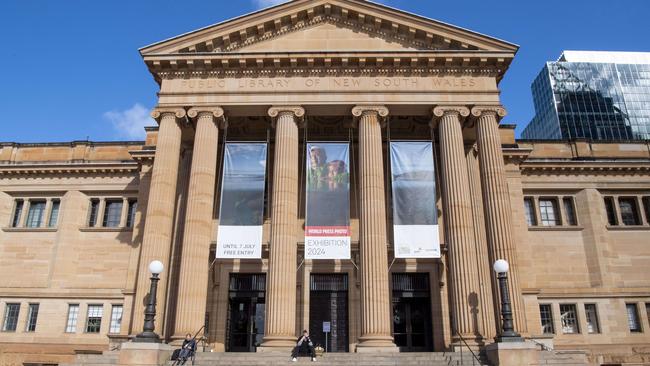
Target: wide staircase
(561, 358)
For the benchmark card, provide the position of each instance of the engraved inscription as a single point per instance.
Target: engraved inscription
(324, 84)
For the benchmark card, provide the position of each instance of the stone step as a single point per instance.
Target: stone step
(337, 359)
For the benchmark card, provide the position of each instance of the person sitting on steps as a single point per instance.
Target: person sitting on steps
(304, 343)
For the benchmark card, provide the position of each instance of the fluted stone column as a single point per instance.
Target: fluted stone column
(375, 294)
(193, 282)
(280, 320)
(485, 273)
(159, 221)
(496, 200)
(458, 219)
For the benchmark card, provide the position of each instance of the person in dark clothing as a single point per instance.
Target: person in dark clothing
(188, 349)
(304, 344)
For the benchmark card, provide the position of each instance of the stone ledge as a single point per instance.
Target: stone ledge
(105, 229)
(628, 228)
(30, 229)
(555, 228)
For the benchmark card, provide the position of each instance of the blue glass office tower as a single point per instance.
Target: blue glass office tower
(592, 95)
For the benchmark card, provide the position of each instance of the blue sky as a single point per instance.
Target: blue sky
(71, 68)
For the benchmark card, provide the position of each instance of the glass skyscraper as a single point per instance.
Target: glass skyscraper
(592, 95)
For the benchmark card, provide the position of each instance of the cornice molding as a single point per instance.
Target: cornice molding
(122, 168)
(546, 167)
(325, 64)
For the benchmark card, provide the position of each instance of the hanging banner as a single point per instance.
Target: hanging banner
(242, 201)
(327, 217)
(415, 217)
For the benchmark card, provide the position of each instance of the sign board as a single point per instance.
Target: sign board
(326, 327)
(327, 223)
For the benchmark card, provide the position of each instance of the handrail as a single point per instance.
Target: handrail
(470, 350)
(544, 347)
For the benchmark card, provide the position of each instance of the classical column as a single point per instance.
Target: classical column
(496, 200)
(484, 267)
(159, 221)
(281, 283)
(373, 248)
(458, 219)
(193, 282)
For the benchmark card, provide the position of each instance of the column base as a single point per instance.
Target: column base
(277, 343)
(513, 353)
(375, 344)
(144, 354)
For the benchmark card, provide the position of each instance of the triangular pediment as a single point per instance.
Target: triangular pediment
(329, 36)
(324, 26)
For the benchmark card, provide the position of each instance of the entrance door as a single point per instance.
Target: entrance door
(245, 312)
(412, 312)
(328, 302)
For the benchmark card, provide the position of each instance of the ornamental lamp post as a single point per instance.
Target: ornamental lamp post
(508, 333)
(148, 335)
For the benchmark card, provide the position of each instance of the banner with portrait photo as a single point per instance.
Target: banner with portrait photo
(327, 215)
(241, 214)
(415, 217)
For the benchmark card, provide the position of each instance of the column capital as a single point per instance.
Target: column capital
(295, 110)
(158, 112)
(380, 110)
(215, 111)
(442, 110)
(496, 110)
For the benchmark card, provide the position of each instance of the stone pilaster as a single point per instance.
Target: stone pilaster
(157, 238)
(375, 294)
(281, 282)
(193, 281)
(458, 219)
(496, 200)
(486, 311)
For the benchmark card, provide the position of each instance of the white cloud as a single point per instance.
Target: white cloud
(130, 123)
(267, 3)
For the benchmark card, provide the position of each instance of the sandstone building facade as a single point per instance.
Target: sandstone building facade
(81, 221)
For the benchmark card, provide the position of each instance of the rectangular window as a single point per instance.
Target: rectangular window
(529, 208)
(18, 213)
(54, 213)
(633, 318)
(569, 319)
(73, 313)
(570, 211)
(646, 207)
(36, 213)
(94, 210)
(592, 319)
(116, 319)
(32, 317)
(647, 310)
(94, 319)
(130, 218)
(611, 211)
(546, 314)
(11, 317)
(629, 211)
(548, 212)
(112, 214)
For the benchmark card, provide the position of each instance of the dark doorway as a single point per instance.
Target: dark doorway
(412, 312)
(245, 312)
(328, 302)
